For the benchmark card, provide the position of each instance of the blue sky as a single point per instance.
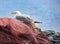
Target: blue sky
(46, 11)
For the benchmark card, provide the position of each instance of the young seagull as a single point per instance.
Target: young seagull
(24, 18)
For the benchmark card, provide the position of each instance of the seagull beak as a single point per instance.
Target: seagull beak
(12, 13)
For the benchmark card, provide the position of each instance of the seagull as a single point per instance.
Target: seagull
(23, 17)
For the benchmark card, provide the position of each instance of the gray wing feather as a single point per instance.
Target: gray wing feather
(24, 19)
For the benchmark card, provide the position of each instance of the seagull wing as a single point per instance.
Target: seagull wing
(24, 19)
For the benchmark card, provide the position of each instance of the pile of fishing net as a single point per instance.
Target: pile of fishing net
(13, 31)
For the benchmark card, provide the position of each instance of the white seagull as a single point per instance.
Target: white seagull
(23, 17)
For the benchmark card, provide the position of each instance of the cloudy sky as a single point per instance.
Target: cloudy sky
(46, 11)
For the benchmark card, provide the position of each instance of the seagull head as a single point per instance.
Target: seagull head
(16, 13)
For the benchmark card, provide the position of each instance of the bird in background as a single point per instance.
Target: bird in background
(25, 18)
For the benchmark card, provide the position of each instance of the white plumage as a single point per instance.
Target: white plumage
(23, 17)
(18, 13)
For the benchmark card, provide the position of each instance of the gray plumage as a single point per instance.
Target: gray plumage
(24, 19)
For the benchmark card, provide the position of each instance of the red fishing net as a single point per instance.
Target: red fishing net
(16, 32)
